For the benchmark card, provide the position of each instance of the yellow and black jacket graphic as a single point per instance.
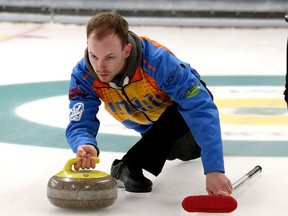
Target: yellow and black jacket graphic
(140, 102)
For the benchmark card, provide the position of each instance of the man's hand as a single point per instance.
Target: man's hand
(217, 183)
(86, 152)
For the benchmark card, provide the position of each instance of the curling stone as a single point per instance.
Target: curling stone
(85, 189)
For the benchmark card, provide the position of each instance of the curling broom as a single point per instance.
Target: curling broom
(217, 204)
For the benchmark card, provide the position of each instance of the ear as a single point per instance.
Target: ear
(127, 50)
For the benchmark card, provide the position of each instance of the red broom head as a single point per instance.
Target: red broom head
(209, 204)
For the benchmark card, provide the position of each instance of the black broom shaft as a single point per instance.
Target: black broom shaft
(253, 172)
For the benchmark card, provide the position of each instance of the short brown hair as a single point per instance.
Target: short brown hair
(105, 23)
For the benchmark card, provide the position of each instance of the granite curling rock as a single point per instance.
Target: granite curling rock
(85, 189)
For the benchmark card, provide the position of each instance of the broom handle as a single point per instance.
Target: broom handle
(249, 175)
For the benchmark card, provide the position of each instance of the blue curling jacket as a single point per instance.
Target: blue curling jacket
(154, 79)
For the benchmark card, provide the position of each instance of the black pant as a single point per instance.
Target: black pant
(157, 144)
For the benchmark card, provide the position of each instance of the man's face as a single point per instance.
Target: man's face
(107, 57)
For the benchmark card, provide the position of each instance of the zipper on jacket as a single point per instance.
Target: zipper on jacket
(133, 106)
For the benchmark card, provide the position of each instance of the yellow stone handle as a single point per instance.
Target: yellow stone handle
(71, 162)
(67, 171)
